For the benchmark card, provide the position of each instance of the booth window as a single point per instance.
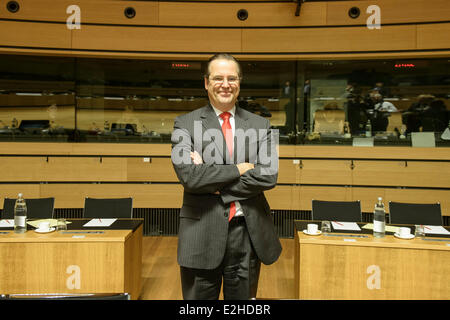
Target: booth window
(309, 102)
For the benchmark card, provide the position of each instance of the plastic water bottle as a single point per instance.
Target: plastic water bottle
(379, 219)
(368, 129)
(20, 215)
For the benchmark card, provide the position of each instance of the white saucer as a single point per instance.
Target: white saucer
(45, 230)
(411, 236)
(312, 234)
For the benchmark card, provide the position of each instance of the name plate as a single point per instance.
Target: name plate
(423, 139)
(363, 142)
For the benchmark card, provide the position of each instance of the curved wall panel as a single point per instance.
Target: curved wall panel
(198, 28)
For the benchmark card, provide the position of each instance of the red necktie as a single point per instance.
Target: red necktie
(228, 134)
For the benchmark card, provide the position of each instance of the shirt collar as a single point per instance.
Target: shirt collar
(218, 112)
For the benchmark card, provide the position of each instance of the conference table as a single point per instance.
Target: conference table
(354, 265)
(79, 260)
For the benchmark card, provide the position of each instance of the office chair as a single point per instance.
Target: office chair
(394, 122)
(415, 213)
(38, 208)
(329, 121)
(348, 211)
(108, 208)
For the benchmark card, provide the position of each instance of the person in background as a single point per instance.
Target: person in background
(381, 111)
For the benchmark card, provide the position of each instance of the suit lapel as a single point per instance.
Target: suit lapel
(210, 121)
(240, 122)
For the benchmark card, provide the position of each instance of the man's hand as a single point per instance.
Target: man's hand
(195, 156)
(244, 167)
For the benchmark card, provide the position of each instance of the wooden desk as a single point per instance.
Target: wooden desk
(73, 261)
(344, 267)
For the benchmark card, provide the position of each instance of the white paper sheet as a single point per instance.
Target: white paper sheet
(99, 223)
(436, 230)
(6, 223)
(369, 226)
(351, 226)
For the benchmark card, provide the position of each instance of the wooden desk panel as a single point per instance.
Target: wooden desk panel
(150, 169)
(281, 198)
(34, 34)
(144, 195)
(369, 268)
(156, 39)
(53, 263)
(397, 37)
(420, 196)
(288, 171)
(401, 173)
(306, 194)
(85, 169)
(326, 172)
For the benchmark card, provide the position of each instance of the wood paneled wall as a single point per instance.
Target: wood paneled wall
(166, 29)
(72, 171)
(194, 30)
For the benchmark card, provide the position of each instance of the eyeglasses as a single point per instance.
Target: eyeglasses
(220, 80)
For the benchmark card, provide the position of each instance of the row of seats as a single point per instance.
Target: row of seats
(42, 208)
(399, 213)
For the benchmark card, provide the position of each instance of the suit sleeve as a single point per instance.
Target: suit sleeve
(197, 178)
(263, 177)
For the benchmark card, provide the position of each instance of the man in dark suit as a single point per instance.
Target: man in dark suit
(225, 157)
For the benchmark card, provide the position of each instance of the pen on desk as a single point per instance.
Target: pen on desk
(338, 223)
(427, 228)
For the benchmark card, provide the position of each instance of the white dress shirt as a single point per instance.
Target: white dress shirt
(386, 106)
(218, 113)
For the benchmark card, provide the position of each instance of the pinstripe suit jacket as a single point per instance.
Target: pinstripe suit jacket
(203, 226)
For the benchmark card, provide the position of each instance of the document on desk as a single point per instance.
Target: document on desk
(6, 223)
(351, 226)
(369, 226)
(436, 230)
(99, 223)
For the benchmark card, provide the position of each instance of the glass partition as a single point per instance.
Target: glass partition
(386, 100)
(269, 90)
(131, 100)
(310, 102)
(37, 98)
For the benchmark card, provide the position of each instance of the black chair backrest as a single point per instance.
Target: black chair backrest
(415, 213)
(108, 208)
(349, 211)
(38, 208)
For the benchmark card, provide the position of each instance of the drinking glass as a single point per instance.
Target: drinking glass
(326, 226)
(419, 231)
(61, 225)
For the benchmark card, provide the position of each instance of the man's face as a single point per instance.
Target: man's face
(223, 84)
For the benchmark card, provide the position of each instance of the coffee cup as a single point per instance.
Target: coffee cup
(404, 232)
(312, 228)
(44, 225)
